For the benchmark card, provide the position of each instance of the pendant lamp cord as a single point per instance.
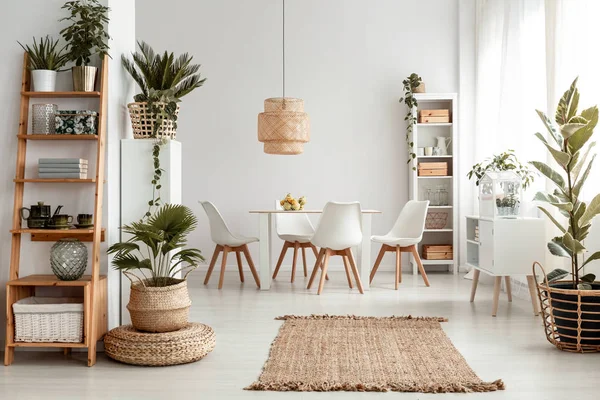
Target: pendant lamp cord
(283, 50)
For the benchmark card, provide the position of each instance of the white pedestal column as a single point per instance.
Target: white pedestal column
(137, 170)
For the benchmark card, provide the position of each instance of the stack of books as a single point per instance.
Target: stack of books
(65, 168)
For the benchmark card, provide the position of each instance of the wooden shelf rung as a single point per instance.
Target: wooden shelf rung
(47, 344)
(59, 94)
(35, 136)
(54, 180)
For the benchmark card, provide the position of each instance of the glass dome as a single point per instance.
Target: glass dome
(500, 195)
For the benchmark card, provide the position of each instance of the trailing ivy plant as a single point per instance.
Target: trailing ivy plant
(410, 84)
(86, 35)
(506, 161)
(568, 146)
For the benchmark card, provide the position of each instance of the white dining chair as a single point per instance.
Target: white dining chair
(296, 231)
(339, 230)
(227, 242)
(406, 233)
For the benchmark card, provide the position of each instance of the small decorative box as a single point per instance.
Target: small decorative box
(77, 122)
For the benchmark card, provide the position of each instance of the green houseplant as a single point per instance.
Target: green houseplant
(45, 61)
(572, 326)
(163, 80)
(156, 250)
(85, 37)
(412, 84)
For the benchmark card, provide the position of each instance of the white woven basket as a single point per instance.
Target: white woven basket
(49, 319)
(142, 122)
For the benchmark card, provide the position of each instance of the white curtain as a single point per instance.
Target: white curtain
(527, 52)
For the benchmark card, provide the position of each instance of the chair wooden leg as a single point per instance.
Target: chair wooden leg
(304, 262)
(508, 288)
(420, 264)
(296, 247)
(355, 271)
(347, 268)
(398, 266)
(474, 285)
(238, 257)
(497, 284)
(251, 265)
(284, 249)
(226, 250)
(213, 261)
(316, 268)
(377, 262)
(314, 249)
(324, 272)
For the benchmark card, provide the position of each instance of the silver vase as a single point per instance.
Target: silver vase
(43, 118)
(84, 78)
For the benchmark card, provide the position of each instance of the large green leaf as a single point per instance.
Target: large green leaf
(557, 275)
(572, 244)
(593, 257)
(554, 200)
(551, 128)
(582, 135)
(550, 174)
(558, 224)
(560, 157)
(578, 162)
(589, 278)
(581, 181)
(567, 106)
(568, 130)
(592, 210)
(557, 248)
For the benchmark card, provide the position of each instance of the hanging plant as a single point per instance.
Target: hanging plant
(410, 86)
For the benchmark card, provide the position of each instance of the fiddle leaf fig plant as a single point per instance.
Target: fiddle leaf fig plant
(506, 161)
(568, 145)
(410, 84)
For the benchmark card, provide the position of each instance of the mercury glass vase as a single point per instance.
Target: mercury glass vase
(68, 259)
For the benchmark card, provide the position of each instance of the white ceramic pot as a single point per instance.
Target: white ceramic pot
(44, 80)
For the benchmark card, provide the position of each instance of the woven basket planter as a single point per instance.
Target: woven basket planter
(284, 127)
(189, 344)
(571, 317)
(143, 123)
(159, 309)
(436, 220)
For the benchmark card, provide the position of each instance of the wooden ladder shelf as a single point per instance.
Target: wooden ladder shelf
(94, 285)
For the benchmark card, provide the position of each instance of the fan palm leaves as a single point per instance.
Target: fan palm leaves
(157, 245)
(151, 70)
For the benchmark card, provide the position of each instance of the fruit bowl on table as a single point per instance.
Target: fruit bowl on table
(289, 203)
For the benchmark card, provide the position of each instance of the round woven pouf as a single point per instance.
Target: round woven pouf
(189, 344)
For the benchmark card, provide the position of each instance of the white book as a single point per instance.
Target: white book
(67, 169)
(62, 161)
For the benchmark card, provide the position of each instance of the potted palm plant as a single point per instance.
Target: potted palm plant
(85, 37)
(163, 79)
(570, 299)
(152, 259)
(45, 61)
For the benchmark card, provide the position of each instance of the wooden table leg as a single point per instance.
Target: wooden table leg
(264, 259)
(474, 285)
(508, 288)
(497, 284)
(532, 293)
(363, 255)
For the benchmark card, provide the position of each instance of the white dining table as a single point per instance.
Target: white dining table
(362, 255)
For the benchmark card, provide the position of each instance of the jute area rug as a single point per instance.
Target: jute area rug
(332, 353)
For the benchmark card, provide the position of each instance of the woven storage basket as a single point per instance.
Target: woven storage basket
(571, 317)
(284, 127)
(48, 319)
(142, 122)
(436, 220)
(159, 309)
(189, 344)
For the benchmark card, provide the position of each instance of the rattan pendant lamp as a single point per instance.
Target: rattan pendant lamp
(283, 127)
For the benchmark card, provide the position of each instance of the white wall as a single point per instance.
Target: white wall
(345, 58)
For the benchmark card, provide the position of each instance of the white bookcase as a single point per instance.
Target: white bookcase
(424, 135)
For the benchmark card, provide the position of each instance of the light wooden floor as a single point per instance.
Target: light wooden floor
(510, 346)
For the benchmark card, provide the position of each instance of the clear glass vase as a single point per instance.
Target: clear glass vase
(68, 259)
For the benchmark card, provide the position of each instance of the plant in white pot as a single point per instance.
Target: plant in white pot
(159, 301)
(45, 61)
(85, 37)
(571, 306)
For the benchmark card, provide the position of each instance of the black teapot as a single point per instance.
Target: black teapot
(37, 215)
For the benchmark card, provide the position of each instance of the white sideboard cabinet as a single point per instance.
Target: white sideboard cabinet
(503, 247)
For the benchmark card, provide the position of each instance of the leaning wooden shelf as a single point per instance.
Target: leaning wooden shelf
(94, 286)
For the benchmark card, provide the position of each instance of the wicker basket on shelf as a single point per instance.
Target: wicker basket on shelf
(142, 122)
(48, 319)
(436, 220)
(571, 317)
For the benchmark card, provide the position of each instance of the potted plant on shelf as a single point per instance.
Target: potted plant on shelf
(85, 37)
(412, 84)
(159, 301)
(571, 306)
(45, 61)
(506, 161)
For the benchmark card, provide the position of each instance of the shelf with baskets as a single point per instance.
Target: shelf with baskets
(88, 323)
(434, 179)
